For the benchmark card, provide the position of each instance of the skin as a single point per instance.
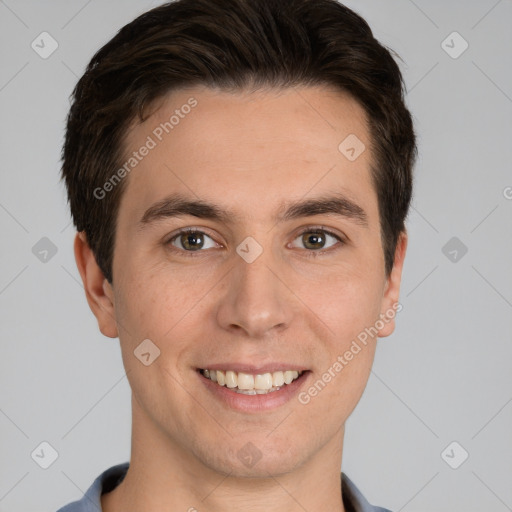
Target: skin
(248, 152)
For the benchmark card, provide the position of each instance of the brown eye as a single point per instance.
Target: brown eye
(316, 239)
(192, 241)
(313, 240)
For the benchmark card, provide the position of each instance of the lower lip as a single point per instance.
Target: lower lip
(255, 403)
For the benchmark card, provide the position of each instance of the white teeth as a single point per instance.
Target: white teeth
(263, 382)
(249, 384)
(245, 381)
(231, 380)
(246, 391)
(288, 376)
(277, 378)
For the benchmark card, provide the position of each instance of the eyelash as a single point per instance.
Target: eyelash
(309, 229)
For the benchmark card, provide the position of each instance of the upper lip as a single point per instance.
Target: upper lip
(254, 369)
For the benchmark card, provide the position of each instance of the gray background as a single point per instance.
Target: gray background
(443, 376)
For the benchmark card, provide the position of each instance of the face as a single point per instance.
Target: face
(281, 269)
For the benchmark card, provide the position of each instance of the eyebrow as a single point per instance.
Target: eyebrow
(177, 205)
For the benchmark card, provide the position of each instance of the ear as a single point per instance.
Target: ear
(98, 290)
(390, 305)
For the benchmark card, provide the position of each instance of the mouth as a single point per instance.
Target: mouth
(252, 384)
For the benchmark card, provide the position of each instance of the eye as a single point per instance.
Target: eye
(192, 240)
(315, 239)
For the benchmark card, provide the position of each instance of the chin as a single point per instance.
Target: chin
(249, 462)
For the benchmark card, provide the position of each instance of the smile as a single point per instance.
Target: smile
(249, 384)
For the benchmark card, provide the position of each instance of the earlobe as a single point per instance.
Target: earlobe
(98, 291)
(390, 300)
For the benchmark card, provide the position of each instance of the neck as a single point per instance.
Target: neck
(163, 476)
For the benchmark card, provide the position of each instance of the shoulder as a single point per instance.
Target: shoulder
(105, 482)
(353, 498)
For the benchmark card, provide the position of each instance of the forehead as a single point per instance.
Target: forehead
(250, 151)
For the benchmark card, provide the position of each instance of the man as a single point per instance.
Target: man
(239, 173)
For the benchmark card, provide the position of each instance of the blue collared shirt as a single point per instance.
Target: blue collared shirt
(353, 500)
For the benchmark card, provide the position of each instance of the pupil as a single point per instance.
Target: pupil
(192, 241)
(313, 240)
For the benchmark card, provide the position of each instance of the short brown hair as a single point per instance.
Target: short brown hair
(231, 44)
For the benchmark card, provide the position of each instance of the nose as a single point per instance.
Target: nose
(256, 301)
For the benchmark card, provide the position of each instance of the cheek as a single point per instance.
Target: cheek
(152, 302)
(161, 307)
(153, 314)
(331, 397)
(346, 302)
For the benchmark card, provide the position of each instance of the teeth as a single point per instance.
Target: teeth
(249, 384)
(245, 381)
(262, 382)
(231, 380)
(277, 378)
(289, 376)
